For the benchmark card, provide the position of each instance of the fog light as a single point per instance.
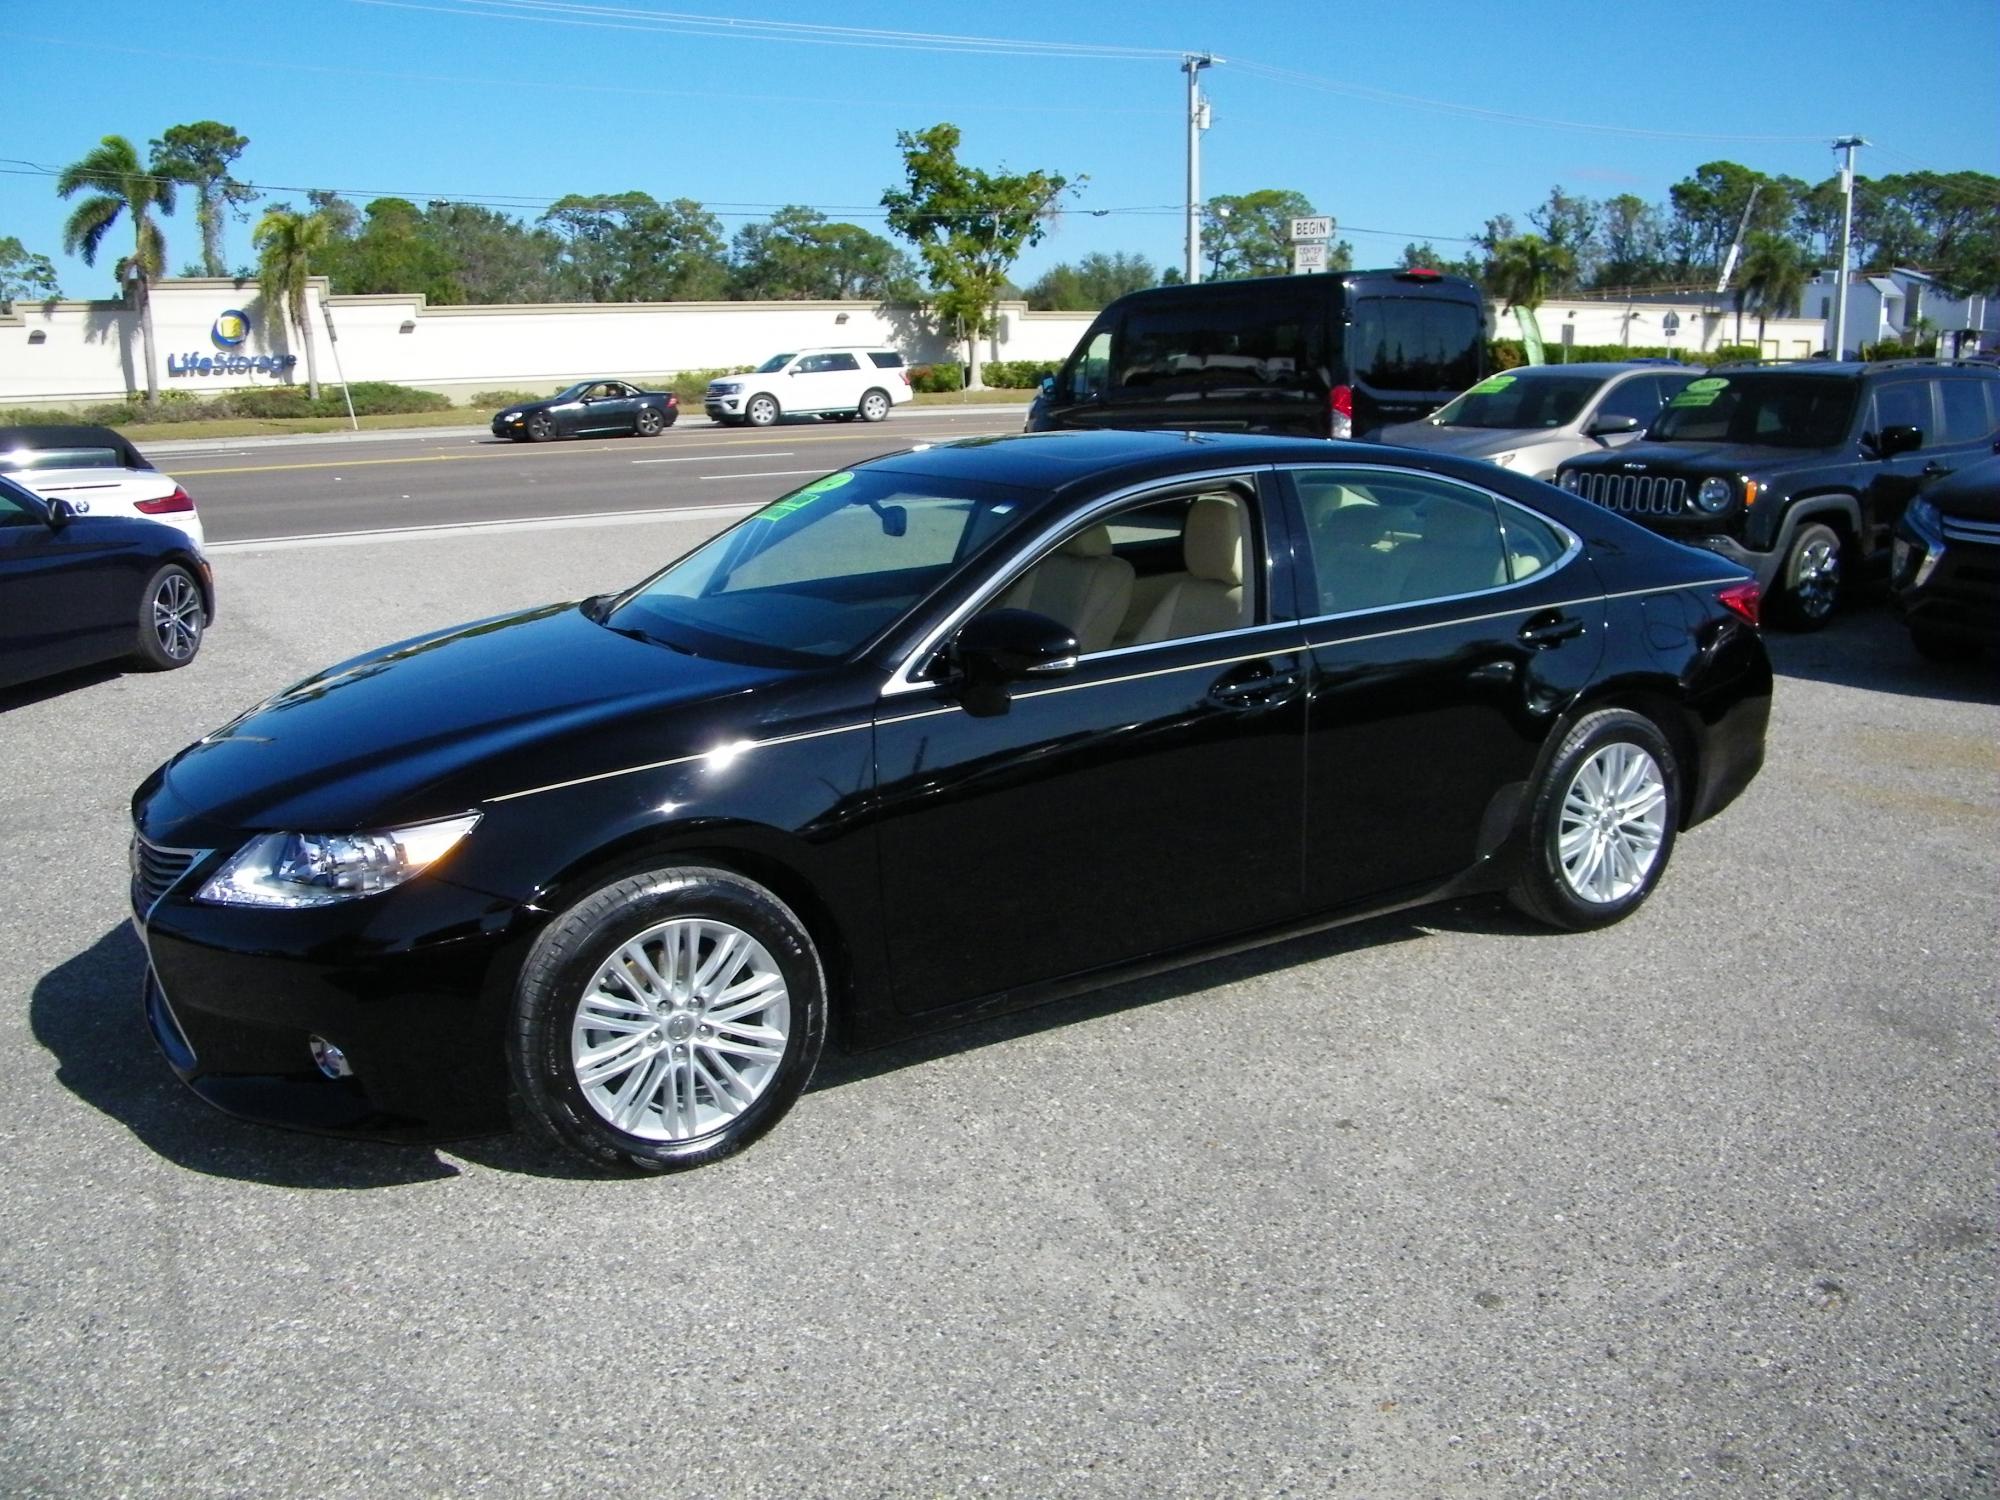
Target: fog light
(329, 1059)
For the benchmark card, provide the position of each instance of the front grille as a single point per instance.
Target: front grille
(1635, 494)
(155, 869)
(1958, 529)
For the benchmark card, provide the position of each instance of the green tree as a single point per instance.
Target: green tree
(117, 182)
(25, 276)
(1708, 208)
(490, 256)
(969, 225)
(1250, 234)
(1091, 283)
(287, 242)
(628, 247)
(1524, 271)
(200, 155)
(798, 255)
(1771, 279)
(1426, 256)
(1632, 240)
(1569, 222)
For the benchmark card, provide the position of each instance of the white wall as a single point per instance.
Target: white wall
(92, 350)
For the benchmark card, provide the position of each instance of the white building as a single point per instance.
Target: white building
(1891, 306)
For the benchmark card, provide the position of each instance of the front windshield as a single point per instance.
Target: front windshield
(1770, 410)
(1519, 399)
(774, 364)
(820, 573)
(571, 392)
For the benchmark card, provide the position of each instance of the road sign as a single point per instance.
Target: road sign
(1317, 228)
(1670, 324)
(1309, 257)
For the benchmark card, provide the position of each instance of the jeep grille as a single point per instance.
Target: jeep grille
(1635, 494)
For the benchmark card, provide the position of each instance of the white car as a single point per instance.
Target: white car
(840, 384)
(98, 472)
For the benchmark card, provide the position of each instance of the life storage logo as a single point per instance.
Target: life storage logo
(231, 329)
(230, 332)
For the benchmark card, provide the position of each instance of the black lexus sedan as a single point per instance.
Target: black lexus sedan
(947, 733)
(590, 408)
(1944, 573)
(76, 590)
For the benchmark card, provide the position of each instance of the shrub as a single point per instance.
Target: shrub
(692, 385)
(498, 399)
(936, 380)
(1017, 374)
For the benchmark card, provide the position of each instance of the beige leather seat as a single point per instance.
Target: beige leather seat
(1355, 570)
(1081, 584)
(1211, 597)
(1458, 553)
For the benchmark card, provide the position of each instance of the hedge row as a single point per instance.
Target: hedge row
(1511, 354)
(371, 398)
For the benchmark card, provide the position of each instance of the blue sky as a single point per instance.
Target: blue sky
(1404, 122)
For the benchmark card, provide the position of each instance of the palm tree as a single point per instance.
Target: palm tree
(1524, 270)
(119, 183)
(1774, 278)
(287, 241)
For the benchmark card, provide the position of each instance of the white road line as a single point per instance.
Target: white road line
(711, 458)
(484, 528)
(767, 474)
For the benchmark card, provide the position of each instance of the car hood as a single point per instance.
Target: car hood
(1700, 459)
(439, 724)
(1472, 442)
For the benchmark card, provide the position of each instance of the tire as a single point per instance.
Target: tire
(649, 423)
(874, 406)
(1809, 581)
(762, 411)
(686, 1101)
(1935, 645)
(541, 427)
(171, 620)
(1602, 824)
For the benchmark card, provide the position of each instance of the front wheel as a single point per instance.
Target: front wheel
(761, 412)
(667, 1019)
(541, 427)
(874, 406)
(649, 423)
(171, 620)
(1602, 823)
(1809, 581)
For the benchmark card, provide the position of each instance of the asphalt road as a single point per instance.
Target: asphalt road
(343, 483)
(1436, 1205)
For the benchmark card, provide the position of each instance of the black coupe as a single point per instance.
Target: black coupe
(76, 590)
(590, 408)
(949, 732)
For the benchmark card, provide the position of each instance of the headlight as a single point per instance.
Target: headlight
(1505, 460)
(1569, 480)
(510, 416)
(1714, 495)
(724, 390)
(317, 869)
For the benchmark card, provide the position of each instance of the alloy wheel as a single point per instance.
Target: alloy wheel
(1612, 824)
(681, 1029)
(177, 616)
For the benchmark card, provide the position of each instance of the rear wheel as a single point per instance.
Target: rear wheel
(171, 620)
(874, 406)
(762, 411)
(1602, 824)
(667, 1019)
(1809, 581)
(649, 423)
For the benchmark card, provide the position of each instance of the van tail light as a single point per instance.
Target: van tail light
(1340, 406)
(179, 500)
(904, 371)
(1745, 599)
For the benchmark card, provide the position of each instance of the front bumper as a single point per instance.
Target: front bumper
(722, 406)
(1947, 586)
(413, 986)
(514, 428)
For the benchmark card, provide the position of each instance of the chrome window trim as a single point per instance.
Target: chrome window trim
(1571, 551)
(1537, 606)
(900, 682)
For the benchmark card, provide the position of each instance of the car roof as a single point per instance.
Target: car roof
(39, 435)
(1601, 367)
(1056, 460)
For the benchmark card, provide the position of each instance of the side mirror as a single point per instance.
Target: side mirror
(1000, 647)
(1048, 385)
(1894, 440)
(1610, 426)
(61, 513)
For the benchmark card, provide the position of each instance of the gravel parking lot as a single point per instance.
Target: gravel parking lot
(1435, 1205)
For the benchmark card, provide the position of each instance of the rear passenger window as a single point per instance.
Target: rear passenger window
(1381, 539)
(885, 360)
(1227, 343)
(1968, 416)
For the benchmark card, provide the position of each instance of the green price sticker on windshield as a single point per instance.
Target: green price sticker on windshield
(800, 498)
(1700, 392)
(1492, 385)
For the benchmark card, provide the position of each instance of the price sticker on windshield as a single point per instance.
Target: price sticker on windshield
(799, 499)
(1492, 385)
(1701, 392)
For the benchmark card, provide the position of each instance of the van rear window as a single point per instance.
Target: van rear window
(884, 361)
(1204, 346)
(1415, 343)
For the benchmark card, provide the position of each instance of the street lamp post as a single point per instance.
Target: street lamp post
(1847, 144)
(1197, 110)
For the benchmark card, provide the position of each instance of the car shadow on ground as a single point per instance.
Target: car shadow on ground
(1866, 646)
(45, 688)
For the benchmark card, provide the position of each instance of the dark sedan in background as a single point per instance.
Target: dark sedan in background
(947, 733)
(590, 408)
(76, 590)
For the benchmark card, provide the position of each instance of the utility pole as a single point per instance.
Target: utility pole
(1845, 143)
(1197, 121)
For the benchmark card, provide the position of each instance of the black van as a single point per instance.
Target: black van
(1333, 355)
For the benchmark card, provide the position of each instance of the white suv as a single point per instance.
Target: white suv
(840, 384)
